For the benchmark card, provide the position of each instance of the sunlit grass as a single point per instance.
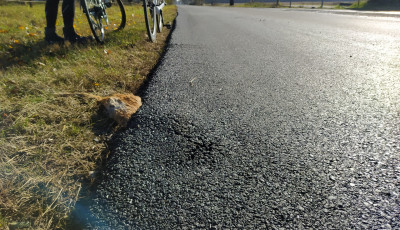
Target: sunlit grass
(376, 5)
(51, 137)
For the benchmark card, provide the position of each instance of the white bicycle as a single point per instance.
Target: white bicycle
(100, 20)
(154, 17)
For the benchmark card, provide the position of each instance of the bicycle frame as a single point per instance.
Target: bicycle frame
(159, 8)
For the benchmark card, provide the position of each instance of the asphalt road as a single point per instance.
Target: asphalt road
(263, 119)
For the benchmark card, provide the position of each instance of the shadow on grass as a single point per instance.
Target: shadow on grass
(18, 54)
(29, 53)
(21, 54)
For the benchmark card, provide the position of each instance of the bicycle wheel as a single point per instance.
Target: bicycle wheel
(150, 18)
(160, 22)
(116, 16)
(94, 10)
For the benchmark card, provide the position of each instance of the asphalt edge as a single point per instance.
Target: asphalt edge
(141, 92)
(82, 216)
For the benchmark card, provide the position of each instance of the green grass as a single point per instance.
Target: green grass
(3, 222)
(379, 7)
(355, 5)
(50, 137)
(374, 5)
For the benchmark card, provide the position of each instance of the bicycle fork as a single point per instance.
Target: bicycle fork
(159, 8)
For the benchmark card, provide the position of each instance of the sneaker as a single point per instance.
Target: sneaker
(108, 3)
(51, 37)
(71, 36)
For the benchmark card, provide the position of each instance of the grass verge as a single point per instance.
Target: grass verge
(377, 5)
(49, 142)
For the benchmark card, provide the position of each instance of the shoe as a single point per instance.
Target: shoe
(71, 36)
(51, 37)
(108, 3)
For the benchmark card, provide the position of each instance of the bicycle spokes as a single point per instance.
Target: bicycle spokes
(99, 19)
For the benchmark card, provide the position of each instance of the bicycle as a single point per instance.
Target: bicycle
(153, 17)
(101, 21)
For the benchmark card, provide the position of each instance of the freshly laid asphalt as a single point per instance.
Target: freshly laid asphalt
(262, 119)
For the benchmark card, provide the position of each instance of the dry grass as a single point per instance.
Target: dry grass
(49, 144)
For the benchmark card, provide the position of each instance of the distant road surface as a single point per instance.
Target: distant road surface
(263, 119)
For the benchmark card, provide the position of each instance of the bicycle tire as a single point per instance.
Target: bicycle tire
(150, 18)
(123, 15)
(92, 9)
(117, 20)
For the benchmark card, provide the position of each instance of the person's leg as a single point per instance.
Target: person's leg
(68, 10)
(51, 10)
